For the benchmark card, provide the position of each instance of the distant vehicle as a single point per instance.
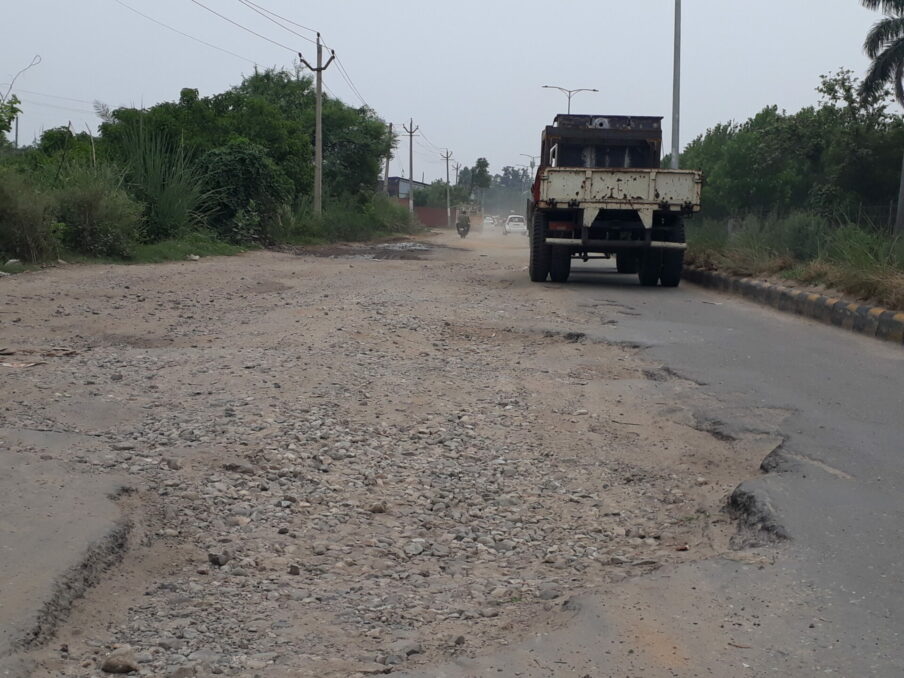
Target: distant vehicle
(600, 191)
(489, 221)
(463, 225)
(514, 223)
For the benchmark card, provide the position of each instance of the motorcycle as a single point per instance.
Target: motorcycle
(463, 226)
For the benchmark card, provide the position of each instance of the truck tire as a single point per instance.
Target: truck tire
(560, 264)
(626, 262)
(673, 260)
(649, 267)
(539, 250)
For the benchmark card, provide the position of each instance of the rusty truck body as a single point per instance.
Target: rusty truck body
(600, 192)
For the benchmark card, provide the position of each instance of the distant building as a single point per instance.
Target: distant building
(399, 187)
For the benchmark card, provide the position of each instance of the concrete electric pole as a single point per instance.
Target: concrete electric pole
(676, 90)
(410, 129)
(456, 167)
(318, 123)
(448, 156)
(388, 158)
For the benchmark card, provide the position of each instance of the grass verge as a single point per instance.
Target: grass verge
(864, 263)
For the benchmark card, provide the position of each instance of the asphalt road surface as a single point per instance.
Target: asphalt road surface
(519, 480)
(829, 600)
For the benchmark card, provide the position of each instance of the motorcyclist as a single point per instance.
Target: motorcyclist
(463, 224)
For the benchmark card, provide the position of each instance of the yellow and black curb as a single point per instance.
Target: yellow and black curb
(874, 321)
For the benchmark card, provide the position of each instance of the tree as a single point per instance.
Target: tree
(434, 195)
(480, 173)
(480, 178)
(885, 46)
(9, 109)
(830, 158)
(465, 179)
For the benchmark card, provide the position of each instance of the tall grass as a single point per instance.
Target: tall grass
(164, 175)
(861, 261)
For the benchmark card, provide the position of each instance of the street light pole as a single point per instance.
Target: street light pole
(569, 93)
(676, 90)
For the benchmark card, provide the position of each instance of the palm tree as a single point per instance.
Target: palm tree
(885, 46)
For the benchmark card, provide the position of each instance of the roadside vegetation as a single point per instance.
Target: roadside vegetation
(201, 175)
(808, 196)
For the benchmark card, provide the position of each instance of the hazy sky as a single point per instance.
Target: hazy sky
(469, 72)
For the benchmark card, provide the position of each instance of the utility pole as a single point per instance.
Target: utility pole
(448, 156)
(16, 143)
(388, 158)
(456, 167)
(318, 124)
(410, 129)
(676, 90)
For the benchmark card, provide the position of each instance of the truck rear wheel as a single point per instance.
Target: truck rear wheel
(560, 264)
(649, 267)
(626, 262)
(673, 260)
(539, 250)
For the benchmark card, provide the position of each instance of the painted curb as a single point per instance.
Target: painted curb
(873, 321)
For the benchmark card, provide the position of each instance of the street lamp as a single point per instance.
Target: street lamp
(533, 160)
(569, 93)
(676, 89)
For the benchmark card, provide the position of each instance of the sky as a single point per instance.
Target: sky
(469, 73)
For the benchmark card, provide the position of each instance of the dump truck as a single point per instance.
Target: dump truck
(600, 192)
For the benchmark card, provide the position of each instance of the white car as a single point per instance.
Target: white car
(514, 223)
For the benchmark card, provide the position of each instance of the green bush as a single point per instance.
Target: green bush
(99, 218)
(345, 219)
(249, 190)
(27, 229)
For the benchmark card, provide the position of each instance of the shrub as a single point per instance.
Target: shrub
(99, 218)
(249, 191)
(164, 176)
(26, 220)
(346, 218)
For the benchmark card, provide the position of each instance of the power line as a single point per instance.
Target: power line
(244, 28)
(190, 37)
(269, 14)
(264, 9)
(263, 12)
(346, 76)
(61, 108)
(438, 148)
(52, 96)
(351, 84)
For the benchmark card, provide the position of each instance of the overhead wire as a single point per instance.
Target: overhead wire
(182, 33)
(51, 96)
(61, 108)
(438, 148)
(264, 13)
(348, 78)
(271, 12)
(244, 28)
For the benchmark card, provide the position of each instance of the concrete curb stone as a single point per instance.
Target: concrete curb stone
(873, 321)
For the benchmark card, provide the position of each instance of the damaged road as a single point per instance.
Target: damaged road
(408, 459)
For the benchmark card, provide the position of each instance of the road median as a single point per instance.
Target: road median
(873, 321)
